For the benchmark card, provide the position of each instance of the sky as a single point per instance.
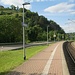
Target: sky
(60, 11)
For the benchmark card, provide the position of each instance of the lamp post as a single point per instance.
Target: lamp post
(47, 34)
(24, 55)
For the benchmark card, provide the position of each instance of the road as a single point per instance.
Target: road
(50, 61)
(17, 46)
(9, 47)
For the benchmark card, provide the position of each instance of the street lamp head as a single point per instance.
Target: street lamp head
(26, 3)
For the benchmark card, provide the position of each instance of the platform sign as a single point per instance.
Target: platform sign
(24, 25)
(54, 35)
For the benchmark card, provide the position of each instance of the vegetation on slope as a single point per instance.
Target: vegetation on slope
(11, 26)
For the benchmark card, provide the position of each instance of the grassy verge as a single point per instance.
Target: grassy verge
(11, 59)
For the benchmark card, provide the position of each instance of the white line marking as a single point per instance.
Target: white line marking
(46, 68)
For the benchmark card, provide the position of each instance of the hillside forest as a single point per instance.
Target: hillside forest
(11, 29)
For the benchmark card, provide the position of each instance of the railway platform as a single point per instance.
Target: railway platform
(50, 61)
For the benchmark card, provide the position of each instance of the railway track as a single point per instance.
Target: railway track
(71, 50)
(69, 56)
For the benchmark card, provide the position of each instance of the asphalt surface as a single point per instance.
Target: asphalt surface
(18, 46)
(10, 47)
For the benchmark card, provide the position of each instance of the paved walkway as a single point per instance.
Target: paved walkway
(47, 62)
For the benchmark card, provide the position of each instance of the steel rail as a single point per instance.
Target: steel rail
(69, 52)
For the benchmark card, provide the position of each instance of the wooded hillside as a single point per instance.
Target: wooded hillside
(11, 26)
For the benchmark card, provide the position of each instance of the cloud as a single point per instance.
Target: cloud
(15, 2)
(20, 2)
(40, 0)
(60, 8)
(37, 0)
(69, 27)
(71, 0)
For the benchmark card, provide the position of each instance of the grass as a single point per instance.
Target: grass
(12, 59)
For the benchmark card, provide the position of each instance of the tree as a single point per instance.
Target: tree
(21, 10)
(10, 29)
(13, 7)
(36, 30)
(34, 33)
(43, 22)
(17, 8)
